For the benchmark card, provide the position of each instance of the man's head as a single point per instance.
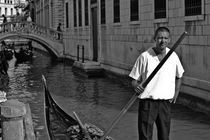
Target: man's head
(162, 38)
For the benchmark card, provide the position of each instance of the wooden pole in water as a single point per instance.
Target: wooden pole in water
(135, 96)
(82, 126)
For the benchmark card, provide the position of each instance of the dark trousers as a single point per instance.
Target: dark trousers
(154, 111)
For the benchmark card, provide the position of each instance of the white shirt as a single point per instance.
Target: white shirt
(162, 86)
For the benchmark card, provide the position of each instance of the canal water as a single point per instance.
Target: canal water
(95, 100)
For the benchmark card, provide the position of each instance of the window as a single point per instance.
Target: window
(160, 9)
(80, 12)
(193, 7)
(11, 12)
(116, 11)
(103, 12)
(75, 13)
(5, 11)
(134, 7)
(67, 15)
(86, 13)
(93, 1)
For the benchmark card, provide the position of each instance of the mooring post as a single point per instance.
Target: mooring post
(12, 115)
(83, 54)
(77, 52)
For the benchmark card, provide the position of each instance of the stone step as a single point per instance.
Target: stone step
(90, 68)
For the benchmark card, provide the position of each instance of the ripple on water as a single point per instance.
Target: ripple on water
(96, 100)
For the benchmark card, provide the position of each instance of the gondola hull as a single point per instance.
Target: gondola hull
(57, 120)
(61, 125)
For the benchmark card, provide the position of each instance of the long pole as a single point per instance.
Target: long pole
(135, 96)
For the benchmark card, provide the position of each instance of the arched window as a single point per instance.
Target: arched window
(5, 11)
(11, 12)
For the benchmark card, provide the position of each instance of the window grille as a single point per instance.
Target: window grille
(103, 12)
(160, 9)
(116, 11)
(93, 1)
(75, 13)
(80, 12)
(86, 13)
(193, 7)
(67, 15)
(134, 7)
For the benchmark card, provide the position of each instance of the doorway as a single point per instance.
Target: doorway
(94, 33)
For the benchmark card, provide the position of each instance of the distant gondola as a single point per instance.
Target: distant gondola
(4, 78)
(8, 54)
(23, 55)
(60, 125)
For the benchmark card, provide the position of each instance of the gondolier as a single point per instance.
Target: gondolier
(163, 89)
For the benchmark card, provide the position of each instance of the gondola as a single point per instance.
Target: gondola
(61, 125)
(8, 54)
(23, 55)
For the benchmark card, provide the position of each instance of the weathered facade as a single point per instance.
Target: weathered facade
(9, 8)
(49, 13)
(115, 32)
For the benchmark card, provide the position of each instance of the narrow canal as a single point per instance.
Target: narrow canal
(96, 100)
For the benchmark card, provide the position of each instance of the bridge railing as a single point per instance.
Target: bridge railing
(31, 28)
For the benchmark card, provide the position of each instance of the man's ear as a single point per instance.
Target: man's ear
(169, 40)
(154, 38)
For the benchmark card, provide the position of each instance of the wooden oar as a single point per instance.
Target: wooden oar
(82, 126)
(135, 96)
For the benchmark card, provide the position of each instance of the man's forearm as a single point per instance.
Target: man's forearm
(177, 87)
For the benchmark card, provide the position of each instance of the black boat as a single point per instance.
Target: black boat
(8, 54)
(61, 125)
(23, 55)
(4, 65)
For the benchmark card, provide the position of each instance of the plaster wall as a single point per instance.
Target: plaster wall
(119, 44)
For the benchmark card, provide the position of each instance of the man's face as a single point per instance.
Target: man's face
(162, 40)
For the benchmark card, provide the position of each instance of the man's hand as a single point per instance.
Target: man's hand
(139, 89)
(173, 100)
(137, 86)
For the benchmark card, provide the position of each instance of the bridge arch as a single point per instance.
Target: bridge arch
(42, 35)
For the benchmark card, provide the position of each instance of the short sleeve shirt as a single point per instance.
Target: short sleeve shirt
(162, 86)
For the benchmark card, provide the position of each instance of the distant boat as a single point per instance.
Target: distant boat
(8, 54)
(4, 65)
(23, 55)
(4, 80)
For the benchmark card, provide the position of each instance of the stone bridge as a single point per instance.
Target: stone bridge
(45, 36)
